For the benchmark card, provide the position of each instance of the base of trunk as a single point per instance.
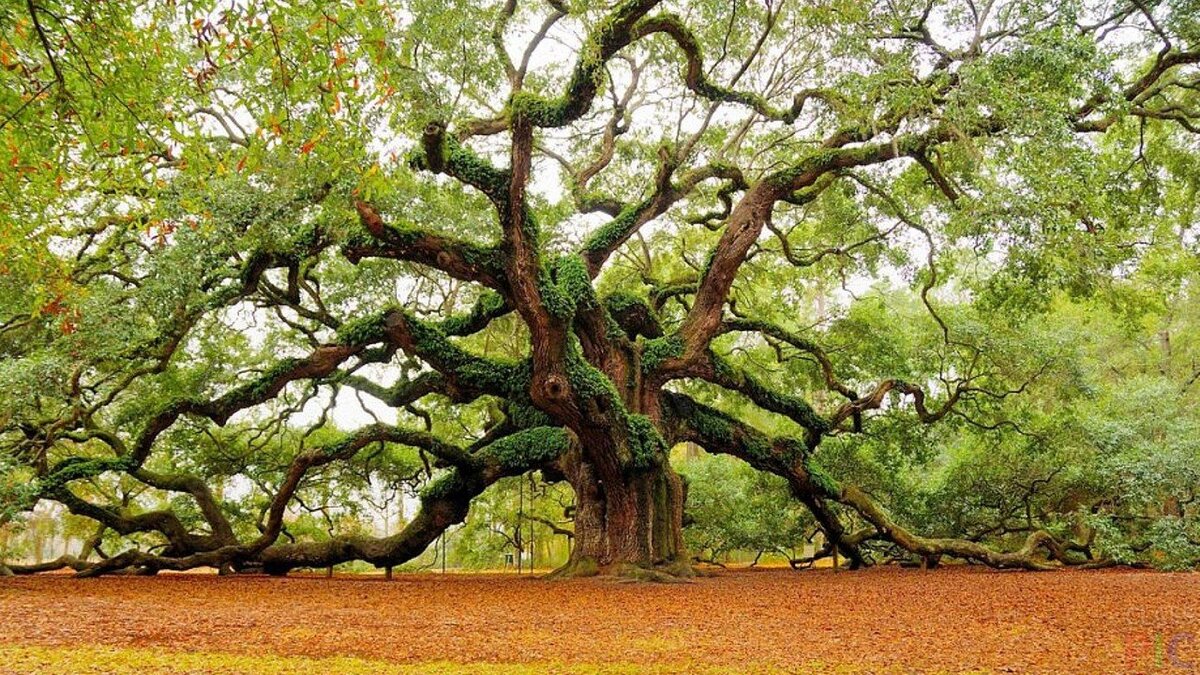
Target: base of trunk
(678, 571)
(627, 525)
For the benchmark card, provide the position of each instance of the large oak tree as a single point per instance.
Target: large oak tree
(558, 225)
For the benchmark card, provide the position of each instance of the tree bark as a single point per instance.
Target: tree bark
(629, 525)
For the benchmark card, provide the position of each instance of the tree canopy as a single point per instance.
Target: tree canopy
(932, 265)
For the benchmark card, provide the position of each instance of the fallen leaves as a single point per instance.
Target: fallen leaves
(882, 620)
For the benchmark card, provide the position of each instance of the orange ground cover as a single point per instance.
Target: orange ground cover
(948, 620)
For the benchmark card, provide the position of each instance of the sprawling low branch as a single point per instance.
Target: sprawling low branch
(689, 420)
(720, 372)
(443, 503)
(720, 433)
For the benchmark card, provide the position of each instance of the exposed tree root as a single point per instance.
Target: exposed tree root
(576, 568)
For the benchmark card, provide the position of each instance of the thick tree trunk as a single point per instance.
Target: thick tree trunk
(628, 525)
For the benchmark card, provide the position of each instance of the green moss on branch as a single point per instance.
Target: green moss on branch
(646, 445)
(632, 314)
(566, 287)
(529, 448)
(658, 350)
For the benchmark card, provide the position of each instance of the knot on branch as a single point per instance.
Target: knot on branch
(555, 387)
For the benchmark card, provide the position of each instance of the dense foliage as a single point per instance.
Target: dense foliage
(274, 276)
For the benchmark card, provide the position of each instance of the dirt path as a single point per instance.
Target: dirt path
(950, 620)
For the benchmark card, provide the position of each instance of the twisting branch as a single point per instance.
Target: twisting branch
(768, 329)
(459, 259)
(696, 77)
(688, 420)
(720, 372)
(720, 433)
(874, 399)
(612, 235)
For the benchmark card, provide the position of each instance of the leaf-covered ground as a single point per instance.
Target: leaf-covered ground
(883, 620)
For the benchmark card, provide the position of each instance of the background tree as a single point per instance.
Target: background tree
(579, 233)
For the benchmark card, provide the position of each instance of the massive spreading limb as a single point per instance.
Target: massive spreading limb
(788, 458)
